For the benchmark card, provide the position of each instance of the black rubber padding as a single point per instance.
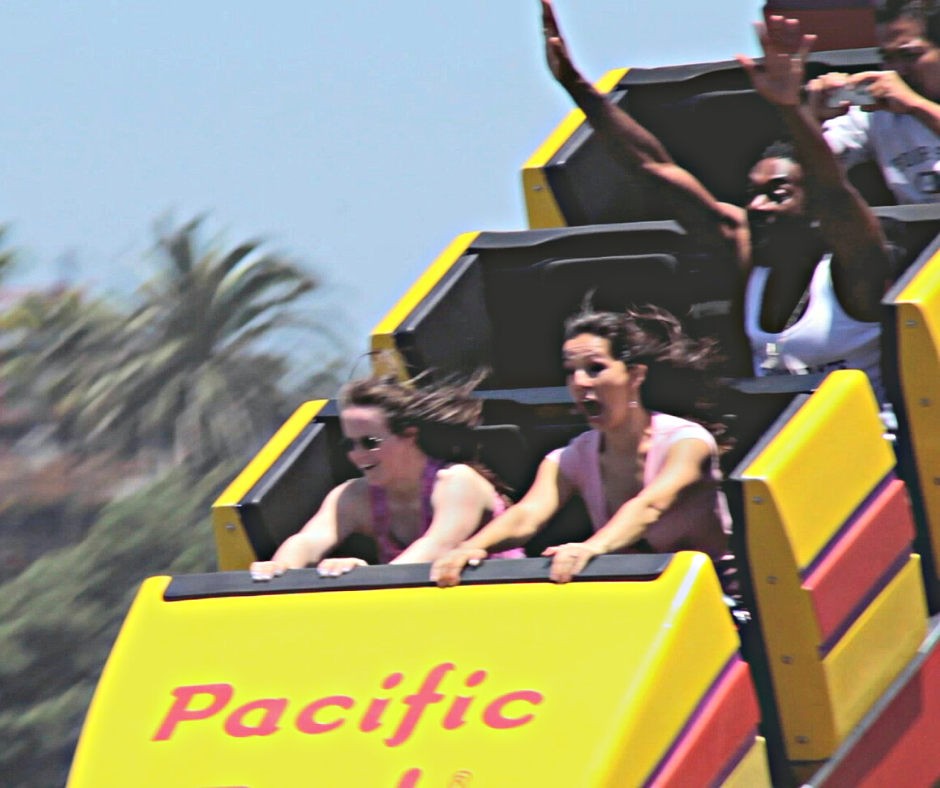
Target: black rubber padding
(624, 568)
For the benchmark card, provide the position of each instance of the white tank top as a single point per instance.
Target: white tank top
(825, 338)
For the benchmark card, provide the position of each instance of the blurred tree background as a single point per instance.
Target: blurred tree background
(119, 425)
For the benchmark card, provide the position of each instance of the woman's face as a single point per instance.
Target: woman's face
(380, 454)
(601, 386)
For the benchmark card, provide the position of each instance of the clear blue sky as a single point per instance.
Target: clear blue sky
(360, 136)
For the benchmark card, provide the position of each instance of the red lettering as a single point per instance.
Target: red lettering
(180, 711)
(417, 703)
(455, 715)
(372, 719)
(409, 779)
(273, 708)
(263, 717)
(306, 720)
(493, 714)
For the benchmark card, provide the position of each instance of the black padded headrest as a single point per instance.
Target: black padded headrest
(504, 450)
(617, 282)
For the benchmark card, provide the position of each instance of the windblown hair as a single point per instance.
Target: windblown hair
(444, 414)
(678, 379)
(923, 11)
(407, 404)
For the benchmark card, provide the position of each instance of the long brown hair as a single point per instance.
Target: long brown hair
(678, 379)
(444, 414)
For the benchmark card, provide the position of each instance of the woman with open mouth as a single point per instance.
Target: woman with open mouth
(416, 506)
(649, 480)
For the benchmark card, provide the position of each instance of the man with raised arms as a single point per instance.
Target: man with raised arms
(812, 256)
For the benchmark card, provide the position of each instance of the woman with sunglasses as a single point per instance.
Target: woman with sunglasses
(416, 504)
(649, 480)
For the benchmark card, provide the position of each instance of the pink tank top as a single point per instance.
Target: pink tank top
(698, 520)
(389, 547)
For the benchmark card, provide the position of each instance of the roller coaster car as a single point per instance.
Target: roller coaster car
(837, 24)
(634, 675)
(707, 116)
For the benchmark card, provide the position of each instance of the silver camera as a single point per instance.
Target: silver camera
(858, 95)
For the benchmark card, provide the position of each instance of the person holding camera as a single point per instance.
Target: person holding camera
(891, 117)
(813, 260)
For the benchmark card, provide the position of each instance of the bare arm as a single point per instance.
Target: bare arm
(643, 155)
(320, 534)
(893, 94)
(684, 466)
(927, 112)
(459, 501)
(516, 525)
(861, 267)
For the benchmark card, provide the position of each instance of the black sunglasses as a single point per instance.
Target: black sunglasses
(771, 191)
(911, 55)
(366, 443)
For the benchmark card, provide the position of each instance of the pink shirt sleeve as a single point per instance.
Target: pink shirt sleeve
(568, 463)
(575, 459)
(669, 430)
(578, 463)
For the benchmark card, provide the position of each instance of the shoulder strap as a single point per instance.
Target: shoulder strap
(427, 489)
(381, 525)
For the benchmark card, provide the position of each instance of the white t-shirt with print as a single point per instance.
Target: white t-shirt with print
(906, 151)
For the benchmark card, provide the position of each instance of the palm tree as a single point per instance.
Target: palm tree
(7, 256)
(52, 341)
(186, 374)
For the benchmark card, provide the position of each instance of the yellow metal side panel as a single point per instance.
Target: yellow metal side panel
(673, 684)
(918, 332)
(475, 678)
(118, 665)
(388, 361)
(825, 461)
(753, 771)
(383, 335)
(877, 647)
(233, 548)
(797, 493)
(791, 632)
(231, 542)
(541, 206)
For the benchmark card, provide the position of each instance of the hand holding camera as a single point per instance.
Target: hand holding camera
(850, 95)
(831, 95)
(889, 91)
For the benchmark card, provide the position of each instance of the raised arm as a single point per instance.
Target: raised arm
(459, 501)
(684, 466)
(861, 267)
(643, 155)
(515, 526)
(320, 534)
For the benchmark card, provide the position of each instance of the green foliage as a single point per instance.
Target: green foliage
(189, 374)
(61, 616)
(8, 257)
(53, 341)
(184, 371)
